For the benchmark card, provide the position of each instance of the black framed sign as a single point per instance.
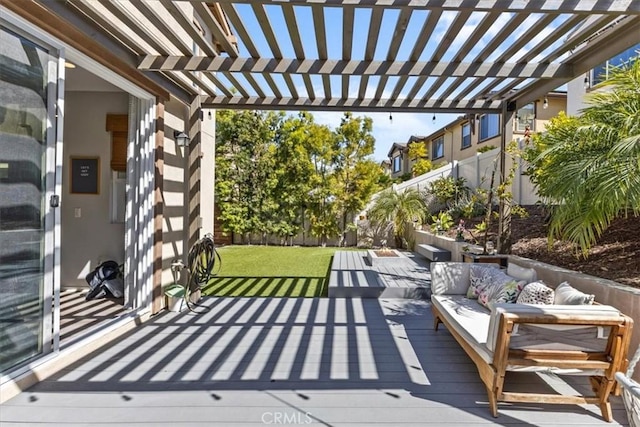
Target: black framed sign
(85, 175)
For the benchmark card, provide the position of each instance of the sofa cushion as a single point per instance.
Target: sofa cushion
(468, 318)
(553, 336)
(521, 273)
(451, 278)
(536, 293)
(565, 294)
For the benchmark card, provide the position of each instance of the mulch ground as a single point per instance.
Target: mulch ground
(616, 255)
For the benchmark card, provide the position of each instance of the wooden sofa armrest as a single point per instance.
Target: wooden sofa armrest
(559, 322)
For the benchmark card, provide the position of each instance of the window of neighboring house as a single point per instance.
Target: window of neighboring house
(601, 72)
(397, 164)
(466, 135)
(437, 148)
(526, 117)
(489, 126)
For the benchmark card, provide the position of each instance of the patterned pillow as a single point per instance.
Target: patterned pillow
(503, 288)
(480, 276)
(536, 293)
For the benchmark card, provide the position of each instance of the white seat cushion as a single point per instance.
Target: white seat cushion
(470, 319)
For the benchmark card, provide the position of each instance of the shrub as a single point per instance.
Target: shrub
(486, 148)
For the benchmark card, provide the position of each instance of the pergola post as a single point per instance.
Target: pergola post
(504, 206)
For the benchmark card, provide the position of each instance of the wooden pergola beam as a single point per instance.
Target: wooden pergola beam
(355, 67)
(352, 104)
(581, 7)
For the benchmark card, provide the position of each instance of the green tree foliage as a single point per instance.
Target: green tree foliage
(320, 202)
(589, 166)
(355, 178)
(418, 154)
(244, 170)
(280, 175)
(399, 209)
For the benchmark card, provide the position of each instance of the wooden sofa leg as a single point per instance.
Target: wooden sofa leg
(436, 322)
(606, 386)
(493, 402)
(605, 408)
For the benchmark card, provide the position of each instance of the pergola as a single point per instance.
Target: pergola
(463, 56)
(450, 56)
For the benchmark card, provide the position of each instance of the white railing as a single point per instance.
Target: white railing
(476, 171)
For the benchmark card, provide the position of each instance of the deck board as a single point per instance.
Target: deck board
(352, 276)
(346, 362)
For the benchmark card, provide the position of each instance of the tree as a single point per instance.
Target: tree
(320, 204)
(353, 174)
(245, 172)
(294, 171)
(418, 154)
(399, 209)
(589, 166)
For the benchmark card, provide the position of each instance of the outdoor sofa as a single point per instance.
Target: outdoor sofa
(497, 319)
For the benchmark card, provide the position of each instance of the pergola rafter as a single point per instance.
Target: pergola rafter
(411, 55)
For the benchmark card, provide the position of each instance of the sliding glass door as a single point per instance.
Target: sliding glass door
(28, 90)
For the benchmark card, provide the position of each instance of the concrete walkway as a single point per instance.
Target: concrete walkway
(262, 361)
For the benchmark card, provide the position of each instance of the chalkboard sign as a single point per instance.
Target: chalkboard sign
(85, 175)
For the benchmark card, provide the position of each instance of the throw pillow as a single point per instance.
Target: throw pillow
(521, 273)
(503, 288)
(565, 294)
(536, 293)
(480, 276)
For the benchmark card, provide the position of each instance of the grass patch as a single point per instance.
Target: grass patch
(272, 271)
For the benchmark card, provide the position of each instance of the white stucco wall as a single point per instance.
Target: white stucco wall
(91, 238)
(207, 174)
(575, 96)
(174, 188)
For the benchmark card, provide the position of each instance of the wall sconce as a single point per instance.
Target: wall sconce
(586, 82)
(434, 118)
(181, 138)
(390, 118)
(545, 103)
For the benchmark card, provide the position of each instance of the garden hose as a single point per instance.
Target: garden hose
(202, 260)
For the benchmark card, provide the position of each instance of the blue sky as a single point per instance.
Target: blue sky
(399, 130)
(404, 124)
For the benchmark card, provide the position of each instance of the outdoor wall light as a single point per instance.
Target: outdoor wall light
(545, 103)
(390, 118)
(181, 138)
(434, 119)
(586, 82)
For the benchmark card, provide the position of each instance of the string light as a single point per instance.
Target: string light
(545, 103)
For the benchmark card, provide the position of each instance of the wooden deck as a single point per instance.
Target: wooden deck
(353, 276)
(78, 317)
(256, 361)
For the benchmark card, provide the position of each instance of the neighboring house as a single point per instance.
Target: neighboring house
(461, 138)
(385, 165)
(401, 163)
(399, 159)
(590, 81)
(91, 168)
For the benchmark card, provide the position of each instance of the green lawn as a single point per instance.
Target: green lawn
(273, 271)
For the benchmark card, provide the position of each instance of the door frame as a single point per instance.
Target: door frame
(54, 162)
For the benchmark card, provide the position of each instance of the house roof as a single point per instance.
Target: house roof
(397, 146)
(433, 55)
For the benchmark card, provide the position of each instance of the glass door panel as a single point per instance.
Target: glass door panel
(27, 77)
